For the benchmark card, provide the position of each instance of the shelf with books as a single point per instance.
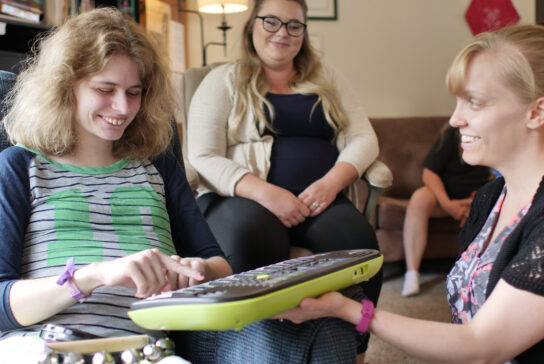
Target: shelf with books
(8, 19)
(27, 10)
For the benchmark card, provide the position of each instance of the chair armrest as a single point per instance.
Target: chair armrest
(378, 177)
(189, 83)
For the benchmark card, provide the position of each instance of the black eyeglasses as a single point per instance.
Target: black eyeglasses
(273, 24)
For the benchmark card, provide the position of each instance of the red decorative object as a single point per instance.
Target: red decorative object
(488, 15)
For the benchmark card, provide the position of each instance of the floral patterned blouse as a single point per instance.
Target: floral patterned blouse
(467, 281)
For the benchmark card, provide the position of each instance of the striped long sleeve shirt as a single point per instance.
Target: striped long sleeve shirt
(50, 212)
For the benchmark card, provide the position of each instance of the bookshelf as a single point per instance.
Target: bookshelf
(19, 35)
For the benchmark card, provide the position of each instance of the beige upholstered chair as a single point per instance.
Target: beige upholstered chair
(377, 176)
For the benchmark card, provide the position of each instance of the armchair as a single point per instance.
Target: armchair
(377, 177)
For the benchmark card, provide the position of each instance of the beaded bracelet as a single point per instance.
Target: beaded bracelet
(367, 312)
(68, 277)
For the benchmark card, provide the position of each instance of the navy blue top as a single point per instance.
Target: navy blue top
(460, 179)
(303, 149)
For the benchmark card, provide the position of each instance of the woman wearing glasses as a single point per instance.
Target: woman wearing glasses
(276, 137)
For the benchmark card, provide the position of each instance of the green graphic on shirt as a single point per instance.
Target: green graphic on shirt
(132, 219)
(140, 220)
(73, 229)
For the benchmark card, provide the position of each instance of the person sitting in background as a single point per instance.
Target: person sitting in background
(496, 287)
(449, 185)
(276, 138)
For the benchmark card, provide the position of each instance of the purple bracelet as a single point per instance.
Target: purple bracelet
(68, 277)
(367, 312)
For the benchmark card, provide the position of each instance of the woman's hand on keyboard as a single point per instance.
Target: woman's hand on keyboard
(149, 271)
(194, 265)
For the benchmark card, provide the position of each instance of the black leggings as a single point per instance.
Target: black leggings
(251, 236)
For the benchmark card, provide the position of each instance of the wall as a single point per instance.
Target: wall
(395, 52)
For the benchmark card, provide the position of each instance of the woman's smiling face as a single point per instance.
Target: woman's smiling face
(108, 101)
(490, 116)
(277, 50)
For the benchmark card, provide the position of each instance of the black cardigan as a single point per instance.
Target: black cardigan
(519, 256)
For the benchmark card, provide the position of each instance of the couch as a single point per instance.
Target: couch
(404, 143)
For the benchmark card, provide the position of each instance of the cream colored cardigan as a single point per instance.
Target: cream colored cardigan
(221, 162)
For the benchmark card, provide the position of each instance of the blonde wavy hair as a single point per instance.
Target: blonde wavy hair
(251, 85)
(42, 102)
(520, 60)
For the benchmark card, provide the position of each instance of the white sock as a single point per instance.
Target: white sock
(411, 283)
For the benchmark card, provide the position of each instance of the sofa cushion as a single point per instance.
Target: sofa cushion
(404, 144)
(390, 215)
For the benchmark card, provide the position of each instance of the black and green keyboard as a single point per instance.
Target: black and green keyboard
(241, 299)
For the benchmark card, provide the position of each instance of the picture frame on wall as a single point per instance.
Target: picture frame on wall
(322, 9)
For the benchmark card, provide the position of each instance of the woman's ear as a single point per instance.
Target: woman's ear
(536, 119)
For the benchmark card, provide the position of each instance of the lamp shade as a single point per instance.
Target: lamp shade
(215, 6)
